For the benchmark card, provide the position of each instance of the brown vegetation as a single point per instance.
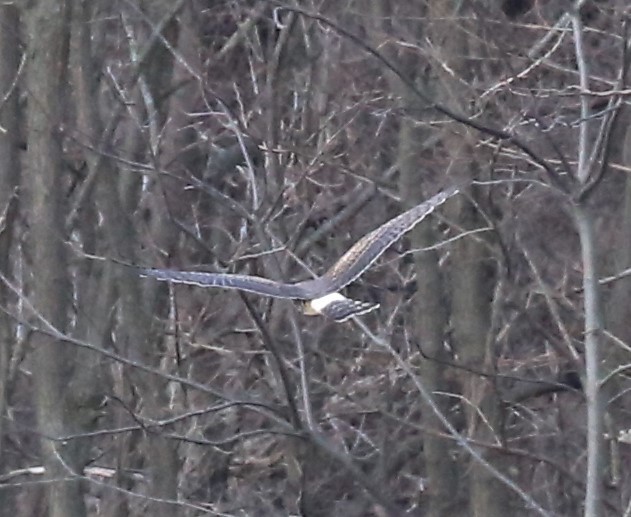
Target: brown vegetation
(265, 138)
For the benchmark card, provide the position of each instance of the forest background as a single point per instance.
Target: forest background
(265, 137)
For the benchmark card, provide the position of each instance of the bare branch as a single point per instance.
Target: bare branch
(427, 397)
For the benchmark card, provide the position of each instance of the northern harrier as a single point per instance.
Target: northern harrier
(319, 295)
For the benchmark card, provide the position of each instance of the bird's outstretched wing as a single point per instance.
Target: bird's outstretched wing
(252, 284)
(370, 247)
(350, 266)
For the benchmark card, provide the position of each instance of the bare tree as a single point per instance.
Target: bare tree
(265, 139)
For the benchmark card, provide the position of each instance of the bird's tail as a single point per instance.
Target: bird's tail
(341, 310)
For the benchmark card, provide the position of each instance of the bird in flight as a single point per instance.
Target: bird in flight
(319, 296)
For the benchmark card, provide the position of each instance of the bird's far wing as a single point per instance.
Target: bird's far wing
(252, 284)
(370, 247)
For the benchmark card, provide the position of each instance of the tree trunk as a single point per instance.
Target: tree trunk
(428, 325)
(142, 302)
(593, 393)
(473, 285)
(9, 169)
(473, 277)
(51, 295)
(618, 306)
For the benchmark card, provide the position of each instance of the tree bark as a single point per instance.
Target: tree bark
(428, 322)
(593, 393)
(144, 305)
(473, 285)
(47, 38)
(617, 306)
(9, 177)
(473, 278)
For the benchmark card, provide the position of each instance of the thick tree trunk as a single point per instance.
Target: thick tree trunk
(9, 168)
(618, 306)
(428, 323)
(143, 303)
(51, 294)
(473, 276)
(473, 285)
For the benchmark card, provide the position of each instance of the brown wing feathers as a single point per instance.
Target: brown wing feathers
(370, 247)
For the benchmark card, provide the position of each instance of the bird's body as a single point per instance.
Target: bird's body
(320, 295)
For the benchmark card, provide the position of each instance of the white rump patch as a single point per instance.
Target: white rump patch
(318, 304)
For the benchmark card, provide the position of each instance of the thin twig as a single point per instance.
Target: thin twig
(461, 440)
(409, 83)
(552, 306)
